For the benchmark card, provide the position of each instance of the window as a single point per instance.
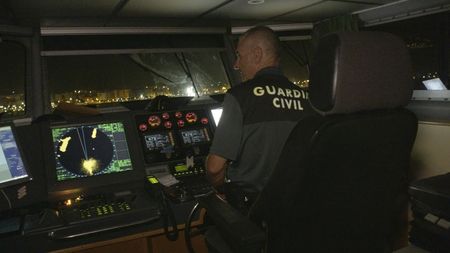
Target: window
(428, 40)
(12, 77)
(295, 61)
(106, 78)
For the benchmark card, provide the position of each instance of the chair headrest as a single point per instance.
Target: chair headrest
(359, 71)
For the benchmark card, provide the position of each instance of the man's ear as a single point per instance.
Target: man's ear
(257, 55)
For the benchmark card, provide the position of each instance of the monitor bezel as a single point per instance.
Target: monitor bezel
(22, 155)
(87, 185)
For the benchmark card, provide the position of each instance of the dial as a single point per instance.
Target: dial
(204, 121)
(191, 117)
(154, 121)
(143, 127)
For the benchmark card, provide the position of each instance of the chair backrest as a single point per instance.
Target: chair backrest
(341, 180)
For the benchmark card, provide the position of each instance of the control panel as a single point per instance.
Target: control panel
(174, 135)
(177, 143)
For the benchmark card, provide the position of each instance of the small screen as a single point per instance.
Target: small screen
(159, 141)
(216, 113)
(434, 84)
(194, 136)
(90, 150)
(11, 163)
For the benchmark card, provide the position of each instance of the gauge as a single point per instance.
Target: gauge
(165, 115)
(143, 127)
(180, 123)
(178, 115)
(168, 124)
(204, 121)
(191, 117)
(154, 121)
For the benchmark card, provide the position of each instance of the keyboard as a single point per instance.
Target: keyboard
(95, 210)
(101, 213)
(94, 226)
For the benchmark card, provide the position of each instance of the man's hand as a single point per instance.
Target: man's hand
(215, 168)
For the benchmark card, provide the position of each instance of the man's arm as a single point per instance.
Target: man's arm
(215, 168)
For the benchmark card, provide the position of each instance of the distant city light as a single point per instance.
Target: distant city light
(190, 92)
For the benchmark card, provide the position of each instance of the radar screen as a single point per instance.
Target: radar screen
(90, 150)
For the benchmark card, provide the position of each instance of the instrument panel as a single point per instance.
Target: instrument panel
(174, 135)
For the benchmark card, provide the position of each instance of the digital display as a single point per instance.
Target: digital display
(12, 168)
(194, 136)
(160, 141)
(90, 150)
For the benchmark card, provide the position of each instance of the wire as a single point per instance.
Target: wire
(7, 199)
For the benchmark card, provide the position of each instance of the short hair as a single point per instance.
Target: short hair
(269, 36)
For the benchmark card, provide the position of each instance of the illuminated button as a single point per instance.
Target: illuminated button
(204, 121)
(168, 124)
(143, 127)
(165, 115)
(154, 121)
(180, 123)
(191, 117)
(178, 115)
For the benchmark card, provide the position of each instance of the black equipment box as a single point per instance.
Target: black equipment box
(430, 204)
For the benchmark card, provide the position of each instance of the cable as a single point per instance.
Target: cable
(187, 228)
(7, 199)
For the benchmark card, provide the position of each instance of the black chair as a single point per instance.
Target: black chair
(341, 181)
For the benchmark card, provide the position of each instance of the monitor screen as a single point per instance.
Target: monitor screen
(216, 113)
(159, 141)
(434, 84)
(88, 150)
(12, 169)
(194, 136)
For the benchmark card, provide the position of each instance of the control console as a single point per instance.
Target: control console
(177, 143)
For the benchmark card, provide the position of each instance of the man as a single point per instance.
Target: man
(257, 117)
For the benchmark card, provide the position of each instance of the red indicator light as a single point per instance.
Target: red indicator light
(178, 115)
(168, 124)
(180, 123)
(204, 121)
(165, 115)
(143, 127)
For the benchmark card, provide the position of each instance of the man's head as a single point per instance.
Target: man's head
(258, 48)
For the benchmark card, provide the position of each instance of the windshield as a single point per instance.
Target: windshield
(106, 78)
(12, 78)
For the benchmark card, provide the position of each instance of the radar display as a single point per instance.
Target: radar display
(90, 150)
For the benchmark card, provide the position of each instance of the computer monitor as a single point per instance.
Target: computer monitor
(88, 155)
(12, 166)
(216, 113)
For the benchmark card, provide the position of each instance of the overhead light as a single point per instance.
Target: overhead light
(255, 1)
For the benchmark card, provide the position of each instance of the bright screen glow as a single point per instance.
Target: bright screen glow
(11, 162)
(434, 84)
(90, 150)
(216, 113)
(159, 141)
(195, 136)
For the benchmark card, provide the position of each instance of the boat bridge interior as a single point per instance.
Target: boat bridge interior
(142, 84)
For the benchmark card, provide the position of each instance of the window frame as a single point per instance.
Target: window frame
(25, 37)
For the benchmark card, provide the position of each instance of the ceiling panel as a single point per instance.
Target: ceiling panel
(324, 10)
(241, 9)
(402, 9)
(168, 8)
(63, 8)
